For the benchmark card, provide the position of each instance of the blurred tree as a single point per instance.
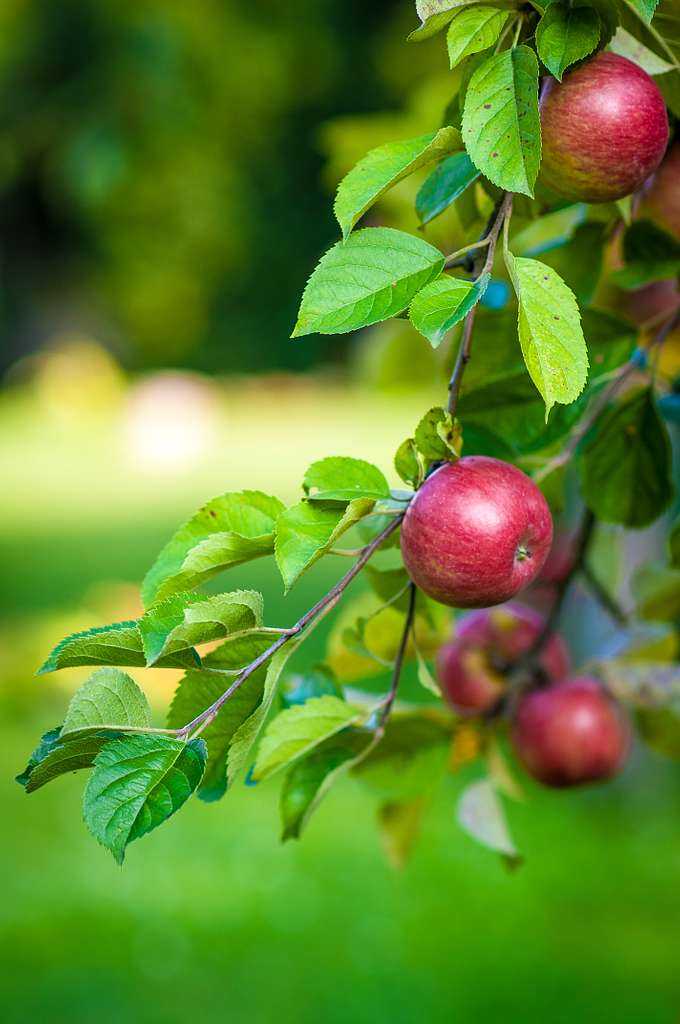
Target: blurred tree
(160, 179)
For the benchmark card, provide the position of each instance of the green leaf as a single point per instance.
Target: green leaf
(309, 779)
(319, 681)
(657, 592)
(228, 531)
(247, 733)
(182, 620)
(565, 35)
(447, 182)
(48, 741)
(306, 531)
(384, 167)
(370, 277)
(198, 690)
(501, 127)
(410, 759)
(472, 30)
(109, 698)
(340, 479)
(297, 730)
(434, 16)
(579, 262)
(625, 463)
(550, 332)
(480, 814)
(650, 255)
(138, 782)
(628, 46)
(409, 463)
(118, 644)
(443, 303)
(645, 8)
(71, 756)
(438, 436)
(399, 822)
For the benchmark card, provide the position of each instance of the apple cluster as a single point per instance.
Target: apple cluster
(477, 532)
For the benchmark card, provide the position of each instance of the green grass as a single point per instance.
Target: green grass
(212, 919)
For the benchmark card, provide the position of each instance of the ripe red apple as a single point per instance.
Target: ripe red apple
(570, 733)
(476, 533)
(470, 666)
(660, 197)
(605, 130)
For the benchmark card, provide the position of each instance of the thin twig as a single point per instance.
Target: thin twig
(399, 660)
(608, 602)
(324, 604)
(483, 266)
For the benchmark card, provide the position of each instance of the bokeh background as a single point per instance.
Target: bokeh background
(166, 172)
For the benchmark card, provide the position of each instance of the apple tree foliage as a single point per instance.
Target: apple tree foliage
(560, 383)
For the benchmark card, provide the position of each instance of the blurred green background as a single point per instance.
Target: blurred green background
(164, 192)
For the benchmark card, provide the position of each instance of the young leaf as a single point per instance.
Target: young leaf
(480, 813)
(443, 303)
(247, 733)
(447, 182)
(297, 730)
(383, 168)
(501, 127)
(305, 532)
(370, 277)
(309, 779)
(138, 782)
(473, 29)
(409, 463)
(438, 436)
(198, 690)
(565, 35)
(625, 463)
(399, 823)
(118, 644)
(434, 16)
(70, 756)
(108, 698)
(342, 479)
(182, 620)
(228, 531)
(550, 331)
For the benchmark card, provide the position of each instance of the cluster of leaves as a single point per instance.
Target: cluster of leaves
(538, 393)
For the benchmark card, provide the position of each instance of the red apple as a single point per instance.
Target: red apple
(476, 533)
(660, 200)
(570, 733)
(605, 130)
(470, 667)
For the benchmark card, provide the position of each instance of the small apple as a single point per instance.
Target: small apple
(570, 733)
(605, 130)
(471, 666)
(660, 196)
(476, 533)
